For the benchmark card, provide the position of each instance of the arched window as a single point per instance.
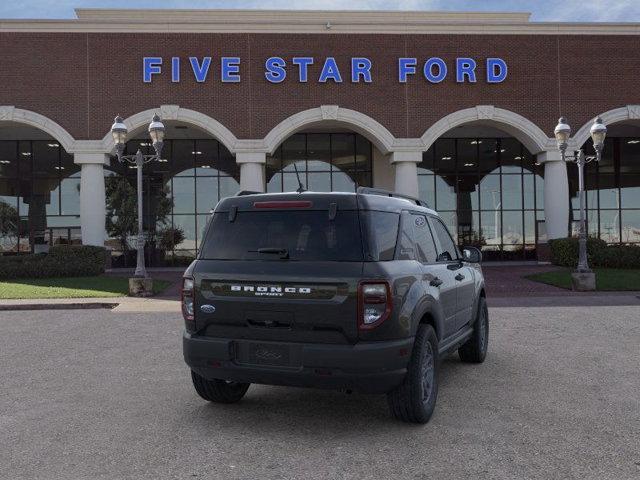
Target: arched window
(39, 193)
(488, 191)
(325, 162)
(179, 192)
(612, 188)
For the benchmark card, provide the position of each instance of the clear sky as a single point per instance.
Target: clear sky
(542, 10)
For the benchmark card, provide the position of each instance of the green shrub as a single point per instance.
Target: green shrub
(620, 256)
(564, 252)
(61, 261)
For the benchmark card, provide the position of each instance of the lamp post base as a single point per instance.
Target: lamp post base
(140, 287)
(583, 281)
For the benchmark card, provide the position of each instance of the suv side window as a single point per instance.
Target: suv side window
(426, 248)
(448, 250)
(406, 241)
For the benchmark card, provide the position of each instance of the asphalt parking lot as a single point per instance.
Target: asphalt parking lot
(100, 394)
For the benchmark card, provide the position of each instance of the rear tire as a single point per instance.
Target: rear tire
(219, 391)
(415, 399)
(475, 349)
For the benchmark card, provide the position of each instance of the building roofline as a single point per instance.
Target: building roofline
(310, 21)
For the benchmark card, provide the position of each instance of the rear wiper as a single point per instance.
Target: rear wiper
(283, 252)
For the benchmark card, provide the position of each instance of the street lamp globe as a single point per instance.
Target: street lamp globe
(562, 133)
(156, 132)
(598, 133)
(119, 132)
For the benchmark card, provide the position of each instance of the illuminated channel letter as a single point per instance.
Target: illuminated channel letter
(175, 69)
(360, 67)
(428, 70)
(230, 69)
(200, 71)
(406, 66)
(303, 67)
(496, 70)
(150, 66)
(275, 69)
(330, 71)
(465, 67)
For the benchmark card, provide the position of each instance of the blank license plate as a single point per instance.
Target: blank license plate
(268, 354)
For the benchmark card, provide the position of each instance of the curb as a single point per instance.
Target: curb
(57, 306)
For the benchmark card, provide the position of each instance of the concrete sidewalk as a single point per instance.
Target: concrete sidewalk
(117, 304)
(158, 304)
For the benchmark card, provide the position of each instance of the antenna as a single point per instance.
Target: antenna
(300, 186)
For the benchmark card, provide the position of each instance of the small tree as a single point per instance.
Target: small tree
(9, 223)
(122, 210)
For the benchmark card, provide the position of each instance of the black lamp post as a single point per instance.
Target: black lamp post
(562, 133)
(156, 132)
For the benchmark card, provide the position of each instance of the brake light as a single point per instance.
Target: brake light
(374, 304)
(283, 204)
(187, 301)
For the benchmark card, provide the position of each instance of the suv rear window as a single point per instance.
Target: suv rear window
(303, 234)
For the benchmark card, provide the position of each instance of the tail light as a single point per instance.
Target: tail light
(374, 304)
(187, 301)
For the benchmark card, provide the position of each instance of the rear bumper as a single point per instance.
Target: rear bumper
(371, 367)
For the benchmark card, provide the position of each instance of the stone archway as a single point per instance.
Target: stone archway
(9, 113)
(360, 123)
(521, 128)
(177, 113)
(617, 115)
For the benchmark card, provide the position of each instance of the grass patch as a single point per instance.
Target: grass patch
(607, 279)
(72, 287)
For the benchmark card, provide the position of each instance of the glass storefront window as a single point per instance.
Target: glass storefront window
(612, 191)
(179, 192)
(490, 190)
(39, 192)
(325, 162)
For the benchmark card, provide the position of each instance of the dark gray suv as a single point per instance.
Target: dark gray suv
(357, 291)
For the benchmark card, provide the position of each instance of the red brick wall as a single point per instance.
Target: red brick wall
(82, 80)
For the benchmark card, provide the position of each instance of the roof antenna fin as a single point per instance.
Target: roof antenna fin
(300, 188)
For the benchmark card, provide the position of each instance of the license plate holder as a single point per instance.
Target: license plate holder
(267, 354)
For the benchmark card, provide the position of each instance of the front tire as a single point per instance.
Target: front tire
(218, 391)
(475, 349)
(415, 399)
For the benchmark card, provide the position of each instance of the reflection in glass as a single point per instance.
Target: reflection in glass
(325, 162)
(445, 194)
(450, 219)
(190, 180)
(491, 177)
(630, 226)
(512, 191)
(610, 226)
(207, 193)
(512, 229)
(39, 190)
(426, 189)
(613, 191)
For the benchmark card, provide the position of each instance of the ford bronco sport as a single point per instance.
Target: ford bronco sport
(357, 291)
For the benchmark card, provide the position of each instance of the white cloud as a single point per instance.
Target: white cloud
(543, 10)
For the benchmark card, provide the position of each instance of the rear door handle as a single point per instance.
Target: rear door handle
(436, 282)
(459, 277)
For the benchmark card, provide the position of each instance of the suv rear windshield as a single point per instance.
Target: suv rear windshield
(307, 235)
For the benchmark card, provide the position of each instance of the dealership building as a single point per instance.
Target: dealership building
(457, 109)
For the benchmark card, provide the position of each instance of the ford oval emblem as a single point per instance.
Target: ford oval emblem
(207, 308)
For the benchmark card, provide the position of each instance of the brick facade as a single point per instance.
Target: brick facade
(81, 80)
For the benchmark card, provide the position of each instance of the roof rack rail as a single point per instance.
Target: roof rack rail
(242, 193)
(389, 193)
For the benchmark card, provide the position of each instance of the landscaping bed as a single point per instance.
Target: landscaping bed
(100, 286)
(607, 279)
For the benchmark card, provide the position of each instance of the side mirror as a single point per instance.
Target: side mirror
(444, 257)
(471, 255)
